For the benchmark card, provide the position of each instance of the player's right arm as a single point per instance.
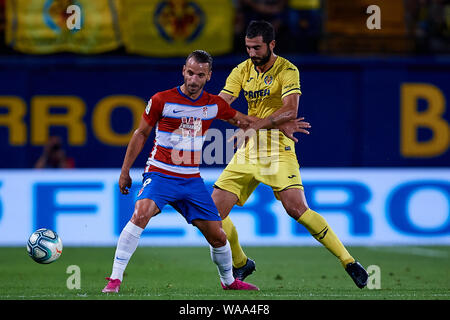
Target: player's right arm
(230, 93)
(233, 84)
(150, 117)
(134, 148)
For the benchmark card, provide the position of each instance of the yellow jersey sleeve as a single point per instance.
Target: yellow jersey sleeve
(233, 85)
(290, 81)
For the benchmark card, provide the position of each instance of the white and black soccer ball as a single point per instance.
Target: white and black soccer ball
(44, 246)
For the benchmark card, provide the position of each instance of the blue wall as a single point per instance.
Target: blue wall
(354, 106)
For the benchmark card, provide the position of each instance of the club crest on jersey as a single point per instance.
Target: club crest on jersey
(205, 112)
(268, 80)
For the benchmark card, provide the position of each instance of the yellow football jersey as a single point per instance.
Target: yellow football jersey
(264, 93)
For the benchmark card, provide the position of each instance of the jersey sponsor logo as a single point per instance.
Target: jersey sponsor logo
(190, 126)
(268, 80)
(256, 94)
(177, 111)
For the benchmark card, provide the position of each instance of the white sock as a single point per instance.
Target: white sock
(127, 244)
(222, 258)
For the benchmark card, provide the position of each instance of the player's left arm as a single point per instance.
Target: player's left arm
(286, 113)
(283, 119)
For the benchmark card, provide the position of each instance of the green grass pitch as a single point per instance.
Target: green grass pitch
(187, 273)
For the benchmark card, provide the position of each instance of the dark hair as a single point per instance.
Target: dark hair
(201, 56)
(260, 28)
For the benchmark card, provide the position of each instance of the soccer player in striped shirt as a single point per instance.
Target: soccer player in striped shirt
(181, 116)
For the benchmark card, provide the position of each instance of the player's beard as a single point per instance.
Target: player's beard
(194, 88)
(263, 60)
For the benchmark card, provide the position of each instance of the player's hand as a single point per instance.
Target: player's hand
(125, 182)
(243, 135)
(293, 126)
(246, 121)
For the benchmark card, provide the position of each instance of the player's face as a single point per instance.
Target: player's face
(195, 76)
(259, 51)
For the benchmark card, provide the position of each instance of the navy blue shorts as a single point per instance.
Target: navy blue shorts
(187, 195)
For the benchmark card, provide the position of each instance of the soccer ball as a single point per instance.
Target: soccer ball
(44, 246)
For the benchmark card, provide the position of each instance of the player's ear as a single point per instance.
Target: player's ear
(208, 77)
(184, 69)
(272, 44)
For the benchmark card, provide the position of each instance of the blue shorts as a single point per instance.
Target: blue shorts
(187, 195)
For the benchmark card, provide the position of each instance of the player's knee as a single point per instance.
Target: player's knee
(215, 193)
(143, 211)
(224, 201)
(140, 217)
(295, 211)
(216, 196)
(219, 240)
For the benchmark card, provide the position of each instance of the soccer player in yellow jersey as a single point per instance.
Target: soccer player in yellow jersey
(271, 86)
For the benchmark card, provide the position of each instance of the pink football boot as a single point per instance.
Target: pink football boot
(112, 286)
(239, 285)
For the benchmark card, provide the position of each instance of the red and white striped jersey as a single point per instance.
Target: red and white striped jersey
(180, 129)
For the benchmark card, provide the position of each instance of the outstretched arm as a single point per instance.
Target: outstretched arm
(293, 126)
(134, 148)
(239, 120)
(242, 120)
(286, 113)
(283, 119)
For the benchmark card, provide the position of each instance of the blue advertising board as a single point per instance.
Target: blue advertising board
(363, 206)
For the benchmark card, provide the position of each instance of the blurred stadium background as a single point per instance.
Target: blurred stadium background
(376, 164)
